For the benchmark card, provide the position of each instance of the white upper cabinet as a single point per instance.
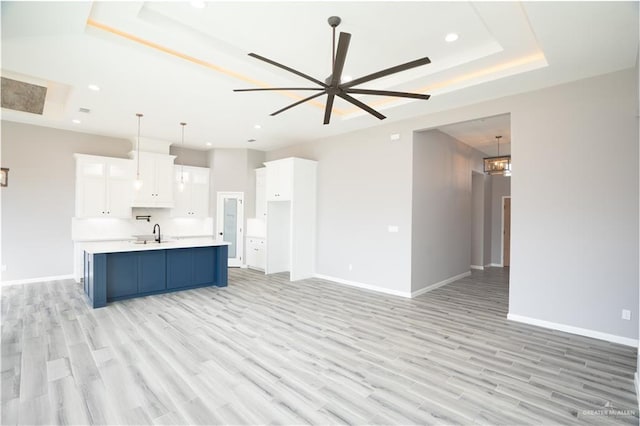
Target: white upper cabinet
(261, 193)
(279, 179)
(104, 186)
(156, 174)
(192, 198)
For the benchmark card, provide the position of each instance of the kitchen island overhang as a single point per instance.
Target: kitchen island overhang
(123, 270)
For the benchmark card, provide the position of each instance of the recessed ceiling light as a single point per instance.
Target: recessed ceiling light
(208, 143)
(451, 37)
(76, 121)
(94, 87)
(198, 4)
(257, 126)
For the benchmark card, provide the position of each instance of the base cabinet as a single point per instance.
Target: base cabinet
(135, 273)
(256, 253)
(191, 267)
(110, 277)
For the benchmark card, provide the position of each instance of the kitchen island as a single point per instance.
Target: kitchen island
(126, 269)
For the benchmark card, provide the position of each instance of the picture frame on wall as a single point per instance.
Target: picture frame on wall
(4, 177)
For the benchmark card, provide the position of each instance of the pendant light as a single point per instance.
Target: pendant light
(138, 182)
(182, 161)
(499, 165)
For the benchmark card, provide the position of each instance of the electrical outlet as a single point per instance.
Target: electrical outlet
(4, 268)
(394, 136)
(626, 314)
(350, 267)
(392, 228)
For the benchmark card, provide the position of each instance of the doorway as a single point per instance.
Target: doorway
(506, 231)
(229, 224)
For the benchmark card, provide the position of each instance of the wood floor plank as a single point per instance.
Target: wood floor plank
(265, 350)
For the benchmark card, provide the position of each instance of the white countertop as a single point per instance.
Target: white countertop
(124, 246)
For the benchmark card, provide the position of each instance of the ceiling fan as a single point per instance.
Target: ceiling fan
(334, 86)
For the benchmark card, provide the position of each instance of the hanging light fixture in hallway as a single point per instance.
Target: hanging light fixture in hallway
(499, 165)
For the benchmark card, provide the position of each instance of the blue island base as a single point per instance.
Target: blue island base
(109, 277)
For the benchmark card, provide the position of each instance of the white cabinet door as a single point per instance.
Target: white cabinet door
(279, 180)
(164, 181)
(181, 193)
(145, 195)
(119, 190)
(199, 192)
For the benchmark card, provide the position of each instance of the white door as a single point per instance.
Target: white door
(229, 220)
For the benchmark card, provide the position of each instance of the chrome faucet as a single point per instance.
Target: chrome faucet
(158, 239)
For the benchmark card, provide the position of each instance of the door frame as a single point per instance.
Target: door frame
(502, 232)
(237, 261)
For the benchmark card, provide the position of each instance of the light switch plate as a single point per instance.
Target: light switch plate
(392, 228)
(626, 314)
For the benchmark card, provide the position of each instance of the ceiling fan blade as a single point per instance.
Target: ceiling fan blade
(388, 93)
(328, 108)
(284, 67)
(361, 105)
(341, 56)
(277, 88)
(388, 71)
(298, 103)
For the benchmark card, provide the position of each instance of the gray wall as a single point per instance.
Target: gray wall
(441, 208)
(477, 219)
(39, 202)
(500, 187)
(575, 204)
(574, 254)
(364, 185)
(486, 250)
(189, 157)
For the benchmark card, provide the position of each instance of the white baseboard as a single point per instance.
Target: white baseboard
(495, 265)
(439, 284)
(39, 279)
(364, 286)
(574, 330)
(479, 267)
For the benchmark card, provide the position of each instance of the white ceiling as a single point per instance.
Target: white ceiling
(173, 62)
(481, 133)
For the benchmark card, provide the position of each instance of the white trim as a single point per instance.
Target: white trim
(440, 284)
(234, 262)
(502, 233)
(39, 279)
(574, 330)
(495, 265)
(480, 267)
(364, 286)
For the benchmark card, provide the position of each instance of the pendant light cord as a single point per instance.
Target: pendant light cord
(138, 148)
(181, 160)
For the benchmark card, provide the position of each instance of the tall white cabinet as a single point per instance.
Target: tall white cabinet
(291, 217)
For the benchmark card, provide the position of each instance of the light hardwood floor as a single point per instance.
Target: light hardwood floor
(268, 351)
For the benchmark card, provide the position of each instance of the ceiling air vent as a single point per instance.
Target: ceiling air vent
(21, 96)
(85, 110)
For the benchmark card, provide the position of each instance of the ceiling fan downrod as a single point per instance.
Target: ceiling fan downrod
(334, 21)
